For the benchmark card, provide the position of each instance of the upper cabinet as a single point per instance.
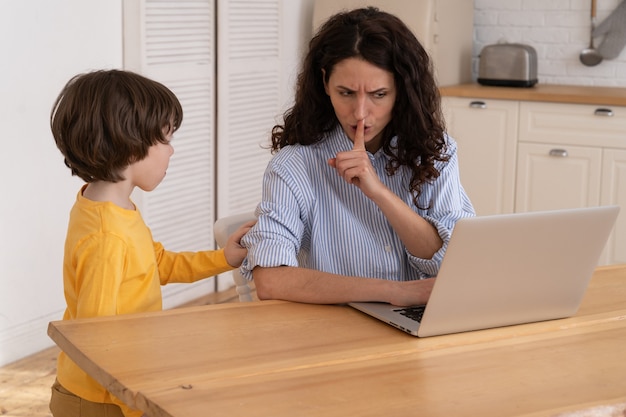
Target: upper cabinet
(525, 155)
(445, 28)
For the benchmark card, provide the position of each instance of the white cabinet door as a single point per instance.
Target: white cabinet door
(614, 193)
(174, 44)
(551, 177)
(249, 53)
(486, 134)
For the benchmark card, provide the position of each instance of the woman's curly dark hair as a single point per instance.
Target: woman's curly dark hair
(386, 42)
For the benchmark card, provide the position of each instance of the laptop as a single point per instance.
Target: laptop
(508, 269)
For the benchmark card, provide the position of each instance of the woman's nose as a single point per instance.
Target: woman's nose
(360, 107)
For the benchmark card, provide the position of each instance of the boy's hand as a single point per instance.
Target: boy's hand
(233, 251)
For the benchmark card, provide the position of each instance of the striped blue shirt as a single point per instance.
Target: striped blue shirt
(311, 217)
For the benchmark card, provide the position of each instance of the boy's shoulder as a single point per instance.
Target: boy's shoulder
(104, 217)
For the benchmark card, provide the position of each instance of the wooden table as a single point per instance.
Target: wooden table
(287, 359)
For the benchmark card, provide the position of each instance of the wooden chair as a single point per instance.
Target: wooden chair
(222, 229)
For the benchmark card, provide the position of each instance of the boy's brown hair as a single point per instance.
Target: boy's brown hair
(102, 121)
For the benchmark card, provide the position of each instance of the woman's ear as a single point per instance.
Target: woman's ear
(324, 81)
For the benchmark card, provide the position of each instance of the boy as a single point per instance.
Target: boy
(114, 129)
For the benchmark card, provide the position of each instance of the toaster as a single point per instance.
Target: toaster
(508, 64)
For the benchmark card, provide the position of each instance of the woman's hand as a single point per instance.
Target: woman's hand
(419, 237)
(408, 293)
(355, 166)
(233, 251)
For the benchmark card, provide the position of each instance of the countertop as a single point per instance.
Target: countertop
(574, 94)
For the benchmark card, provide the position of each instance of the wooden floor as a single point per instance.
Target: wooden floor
(25, 384)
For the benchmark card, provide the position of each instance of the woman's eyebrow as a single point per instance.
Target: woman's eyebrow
(377, 90)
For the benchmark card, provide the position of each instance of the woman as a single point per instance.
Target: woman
(365, 182)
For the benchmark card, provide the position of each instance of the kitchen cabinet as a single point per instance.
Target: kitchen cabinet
(551, 177)
(614, 193)
(572, 155)
(485, 132)
(553, 152)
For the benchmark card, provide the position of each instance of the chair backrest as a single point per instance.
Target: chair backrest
(222, 229)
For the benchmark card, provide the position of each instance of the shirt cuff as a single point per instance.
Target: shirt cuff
(429, 268)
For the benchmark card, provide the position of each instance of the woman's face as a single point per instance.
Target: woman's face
(359, 90)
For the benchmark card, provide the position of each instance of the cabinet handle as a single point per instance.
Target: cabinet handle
(561, 153)
(603, 112)
(478, 105)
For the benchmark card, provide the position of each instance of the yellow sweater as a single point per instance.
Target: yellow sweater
(112, 266)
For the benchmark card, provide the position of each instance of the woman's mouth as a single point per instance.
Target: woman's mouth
(366, 129)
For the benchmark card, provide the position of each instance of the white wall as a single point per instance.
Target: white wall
(44, 42)
(558, 29)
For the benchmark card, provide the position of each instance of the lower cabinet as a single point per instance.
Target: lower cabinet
(573, 155)
(613, 192)
(485, 132)
(551, 177)
(518, 156)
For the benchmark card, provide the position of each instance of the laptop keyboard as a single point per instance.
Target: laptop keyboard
(415, 312)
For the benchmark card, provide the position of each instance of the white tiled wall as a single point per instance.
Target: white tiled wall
(558, 29)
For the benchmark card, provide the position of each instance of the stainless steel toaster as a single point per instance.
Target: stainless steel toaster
(508, 64)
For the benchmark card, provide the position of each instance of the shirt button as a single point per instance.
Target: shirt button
(387, 248)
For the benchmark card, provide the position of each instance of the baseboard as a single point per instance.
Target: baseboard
(25, 339)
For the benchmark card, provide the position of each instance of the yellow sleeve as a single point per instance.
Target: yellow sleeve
(99, 275)
(185, 267)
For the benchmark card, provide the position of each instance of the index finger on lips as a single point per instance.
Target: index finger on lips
(359, 136)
